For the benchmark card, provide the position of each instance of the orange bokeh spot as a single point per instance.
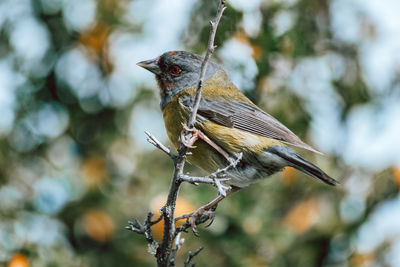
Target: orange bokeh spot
(98, 225)
(396, 176)
(18, 260)
(94, 171)
(182, 207)
(288, 175)
(96, 38)
(242, 37)
(362, 260)
(303, 215)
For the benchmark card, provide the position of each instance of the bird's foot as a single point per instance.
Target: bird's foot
(197, 134)
(189, 141)
(194, 216)
(206, 210)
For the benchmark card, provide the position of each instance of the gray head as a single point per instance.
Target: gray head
(177, 70)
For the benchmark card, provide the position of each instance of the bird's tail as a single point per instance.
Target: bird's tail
(294, 160)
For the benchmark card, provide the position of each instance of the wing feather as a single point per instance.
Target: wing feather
(235, 114)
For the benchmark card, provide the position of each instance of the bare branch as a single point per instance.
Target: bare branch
(165, 253)
(201, 180)
(145, 229)
(191, 256)
(165, 248)
(214, 178)
(154, 141)
(210, 50)
(178, 243)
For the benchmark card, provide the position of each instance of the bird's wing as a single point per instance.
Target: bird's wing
(236, 114)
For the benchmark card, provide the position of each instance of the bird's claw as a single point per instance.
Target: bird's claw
(198, 134)
(189, 142)
(196, 215)
(211, 218)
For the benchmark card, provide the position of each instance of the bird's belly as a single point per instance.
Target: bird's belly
(243, 176)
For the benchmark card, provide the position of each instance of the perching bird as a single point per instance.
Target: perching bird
(229, 119)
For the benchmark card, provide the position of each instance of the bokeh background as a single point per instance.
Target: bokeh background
(75, 165)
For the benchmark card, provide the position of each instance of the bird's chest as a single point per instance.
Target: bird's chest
(174, 116)
(203, 155)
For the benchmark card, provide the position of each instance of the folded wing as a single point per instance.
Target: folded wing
(235, 114)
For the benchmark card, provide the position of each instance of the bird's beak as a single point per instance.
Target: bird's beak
(150, 65)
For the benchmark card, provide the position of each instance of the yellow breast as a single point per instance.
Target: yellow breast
(203, 155)
(174, 115)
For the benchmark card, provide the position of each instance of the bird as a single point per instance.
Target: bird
(227, 124)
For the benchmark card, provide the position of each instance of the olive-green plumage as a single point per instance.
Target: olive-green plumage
(231, 139)
(228, 118)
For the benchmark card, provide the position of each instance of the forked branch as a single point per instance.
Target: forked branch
(165, 251)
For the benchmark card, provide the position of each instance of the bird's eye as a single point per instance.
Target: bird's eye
(174, 70)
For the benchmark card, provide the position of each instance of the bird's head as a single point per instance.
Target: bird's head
(176, 71)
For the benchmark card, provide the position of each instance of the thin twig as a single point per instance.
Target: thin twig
(201, 180)
(178, 243)
(191, 256)
(214, 178)
(152, 140)
(145, 229)
(210, 49)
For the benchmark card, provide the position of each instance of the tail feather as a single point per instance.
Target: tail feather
(301, 164)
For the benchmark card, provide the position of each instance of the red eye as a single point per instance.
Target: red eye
(174, 70)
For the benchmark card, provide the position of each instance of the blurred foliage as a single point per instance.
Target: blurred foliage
(73, 169)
